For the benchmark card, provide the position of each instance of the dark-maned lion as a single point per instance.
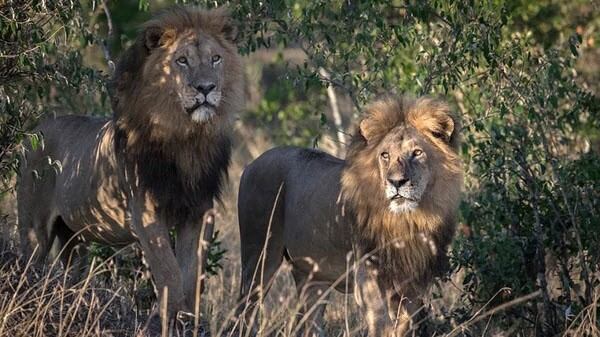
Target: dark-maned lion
(156, 164)
(391, 205)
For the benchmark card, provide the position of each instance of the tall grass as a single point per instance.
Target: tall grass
(44, 301)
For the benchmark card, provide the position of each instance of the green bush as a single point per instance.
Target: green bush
(42, 71)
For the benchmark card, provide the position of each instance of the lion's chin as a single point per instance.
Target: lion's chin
(203, 113)
(403, 205)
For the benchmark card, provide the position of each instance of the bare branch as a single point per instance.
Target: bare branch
(105, 47)
(335, 111)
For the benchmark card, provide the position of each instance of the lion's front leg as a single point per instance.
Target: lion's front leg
(403, 307)
(387, 313)
(153, 237)
(372, 300)
(191, 247)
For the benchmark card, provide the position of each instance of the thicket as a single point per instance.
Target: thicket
(42, 70)
(523, 76)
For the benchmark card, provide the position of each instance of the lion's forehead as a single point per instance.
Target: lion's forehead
(196, 45)
(403, 137)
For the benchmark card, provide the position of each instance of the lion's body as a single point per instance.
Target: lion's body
(156, 165)
(330, 219)
(310, 186)
(88, 195)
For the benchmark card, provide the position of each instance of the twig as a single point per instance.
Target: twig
(348, 89)
(497, 309)
(201, 254)
(32, 49)
(260, 282)
(544, 308)
(163, 312)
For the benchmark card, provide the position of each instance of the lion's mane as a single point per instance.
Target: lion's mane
(179, 162)
(408, 247)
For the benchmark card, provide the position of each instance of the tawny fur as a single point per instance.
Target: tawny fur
(382, 231)
(150, 126)
(150, 167)
(316, 209)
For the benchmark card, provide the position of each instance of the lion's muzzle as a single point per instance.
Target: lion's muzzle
(405, 193)
(206, 102)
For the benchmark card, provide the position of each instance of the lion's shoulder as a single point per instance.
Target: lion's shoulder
(316, 154)
(299, 158)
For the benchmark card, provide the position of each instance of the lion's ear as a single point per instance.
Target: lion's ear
(155, 37)
(434, 118)
(229, 30)
(152, 37)
(381, 116)
(444, 129)
(365, 129)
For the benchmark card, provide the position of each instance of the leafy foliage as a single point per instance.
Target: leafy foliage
(42, 70)
(216, 254)
(292, 115)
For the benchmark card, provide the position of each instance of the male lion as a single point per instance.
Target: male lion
(391, 206)
(155, 165)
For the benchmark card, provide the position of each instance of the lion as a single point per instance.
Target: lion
(391, 207)
(159, 162)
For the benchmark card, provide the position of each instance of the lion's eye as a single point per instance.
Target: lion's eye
(216, 59)
(385, 156)
(182, 60)
(417, 153)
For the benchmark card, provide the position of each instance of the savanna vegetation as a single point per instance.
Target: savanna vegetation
(523, 75)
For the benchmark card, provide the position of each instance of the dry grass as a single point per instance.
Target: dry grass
(42, 302)
(587, 323)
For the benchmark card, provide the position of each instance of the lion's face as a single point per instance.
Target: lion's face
(412, 146)
(190, 71)
(403, 168)
(197, 62)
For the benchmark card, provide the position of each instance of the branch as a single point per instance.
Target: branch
(335, 111)
(349, 91)
(105, 47)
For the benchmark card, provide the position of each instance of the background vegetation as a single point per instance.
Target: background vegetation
(524, 75)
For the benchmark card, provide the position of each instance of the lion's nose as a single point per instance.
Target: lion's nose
(206, 87)
(397, 183)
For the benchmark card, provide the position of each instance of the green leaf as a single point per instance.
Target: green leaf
(322, 119)
(35, 141)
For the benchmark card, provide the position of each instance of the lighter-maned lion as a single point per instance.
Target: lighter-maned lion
(391, 206)
(157, 164)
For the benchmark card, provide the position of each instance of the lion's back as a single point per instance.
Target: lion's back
(295, 177)
(287, 165)
(69, 131)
